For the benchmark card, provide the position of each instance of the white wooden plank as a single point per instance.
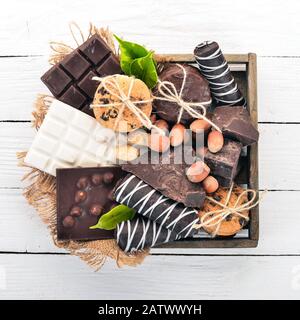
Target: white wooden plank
(14, 137)
(277, 89)
(277, 170)
(27, 26)
(279, 156)
(21, 229)
(65, 277)
(20, 83)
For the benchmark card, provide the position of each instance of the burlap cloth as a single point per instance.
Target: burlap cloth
(40, 190)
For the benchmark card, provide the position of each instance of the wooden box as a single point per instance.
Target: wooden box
(243, 67)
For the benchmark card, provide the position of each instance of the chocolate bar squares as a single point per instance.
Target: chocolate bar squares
(70, 81)
(69, 138)
(83, 195)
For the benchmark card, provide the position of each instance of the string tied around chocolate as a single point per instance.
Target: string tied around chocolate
(111, 85)
(237, 210)
(169, 93)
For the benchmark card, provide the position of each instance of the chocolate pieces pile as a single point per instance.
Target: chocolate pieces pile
(78, 149)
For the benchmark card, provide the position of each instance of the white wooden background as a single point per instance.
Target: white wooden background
(32, 267)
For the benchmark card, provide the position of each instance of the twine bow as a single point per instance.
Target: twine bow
(169, 93)
(221, 214)
(111, 85)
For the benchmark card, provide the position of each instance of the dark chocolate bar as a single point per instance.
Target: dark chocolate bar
(214, 68)
(168, 177)
(196, 89)
(140, 233)
(83, 195)
(225, 162)
(150, 203)
(70, 80)
(235, 123)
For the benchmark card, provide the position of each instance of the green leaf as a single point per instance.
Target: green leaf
(144, 69)
(137, 61)
(109, 220)
(129, 52)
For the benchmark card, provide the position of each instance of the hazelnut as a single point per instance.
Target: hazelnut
(200, 125)
(108, 177)
(215, 141)
(76, 211)
(126, 153)
(159, 143)
(161, 124)
(177, 134)
(82, 183)
(68, 222)
(96, 209)
(80, 196)
(138, 137)
(198, 171)
(97, 179)
(210, 184)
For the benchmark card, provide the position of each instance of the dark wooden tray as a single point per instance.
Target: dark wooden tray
(243, 67)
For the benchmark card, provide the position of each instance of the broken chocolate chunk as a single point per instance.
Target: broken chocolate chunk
(225, 162)
(168, 177)
(235, 123)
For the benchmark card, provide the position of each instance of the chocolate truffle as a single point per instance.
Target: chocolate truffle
(196, 89)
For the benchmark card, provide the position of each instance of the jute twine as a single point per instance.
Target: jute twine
(40, 191)
(225, 210)
(169, 93)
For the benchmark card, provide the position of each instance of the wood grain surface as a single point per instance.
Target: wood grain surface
(32, 267)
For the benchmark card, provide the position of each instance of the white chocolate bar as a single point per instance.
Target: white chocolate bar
(70, 138)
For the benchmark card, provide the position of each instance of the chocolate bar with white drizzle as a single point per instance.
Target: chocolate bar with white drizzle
(215, 69)
(172, 215)
(141, 233)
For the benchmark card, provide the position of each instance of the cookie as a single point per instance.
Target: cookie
(233, 223)
(112, 117)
